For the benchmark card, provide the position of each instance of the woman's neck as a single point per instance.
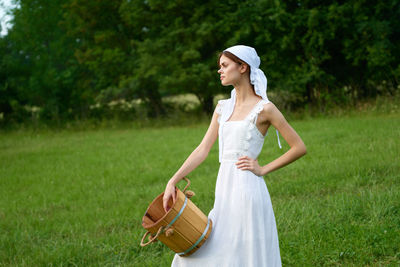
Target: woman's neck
(244, 92)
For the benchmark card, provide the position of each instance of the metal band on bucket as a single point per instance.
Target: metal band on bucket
(198, 241)
(179, 213)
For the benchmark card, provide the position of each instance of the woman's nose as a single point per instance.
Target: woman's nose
(220, 71)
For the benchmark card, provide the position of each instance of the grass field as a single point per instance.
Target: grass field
(76, 198)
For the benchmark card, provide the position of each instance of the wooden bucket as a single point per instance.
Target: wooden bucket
(184, 228)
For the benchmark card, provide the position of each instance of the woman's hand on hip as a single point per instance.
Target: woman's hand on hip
(247, 163)
(168, 193)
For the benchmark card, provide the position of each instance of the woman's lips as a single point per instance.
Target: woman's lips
(222, 77)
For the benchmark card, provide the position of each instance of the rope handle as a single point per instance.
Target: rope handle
(151, 238)
(188, 183)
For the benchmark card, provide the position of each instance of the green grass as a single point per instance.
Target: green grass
(76, 198)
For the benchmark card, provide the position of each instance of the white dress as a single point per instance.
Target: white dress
(244, 230)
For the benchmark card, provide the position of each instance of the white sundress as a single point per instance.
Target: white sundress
(244, 230)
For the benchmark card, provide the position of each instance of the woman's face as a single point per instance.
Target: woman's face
(229, 71)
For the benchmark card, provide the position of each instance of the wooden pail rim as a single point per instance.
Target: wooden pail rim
(148, 226)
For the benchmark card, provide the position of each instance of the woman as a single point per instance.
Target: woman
(244, 230)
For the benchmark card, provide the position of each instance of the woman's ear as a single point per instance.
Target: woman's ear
(244, 68)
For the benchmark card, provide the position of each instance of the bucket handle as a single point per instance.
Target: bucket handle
(152, 238)
(188, 183)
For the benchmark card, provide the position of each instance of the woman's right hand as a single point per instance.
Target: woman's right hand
(168, 193)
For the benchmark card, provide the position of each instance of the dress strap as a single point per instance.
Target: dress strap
(254, 115)
(218, 108)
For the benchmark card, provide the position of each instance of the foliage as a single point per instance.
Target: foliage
(65, 56)
(37, 66)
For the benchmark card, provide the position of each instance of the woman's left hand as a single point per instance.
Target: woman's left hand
(247, 163)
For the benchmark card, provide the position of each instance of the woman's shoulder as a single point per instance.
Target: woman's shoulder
(267, 105)
(266, 108)
(270, 110)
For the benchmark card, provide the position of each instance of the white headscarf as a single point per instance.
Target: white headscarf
(257, 77)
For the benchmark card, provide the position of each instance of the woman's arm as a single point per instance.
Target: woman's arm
(297, 149)
(195, 159)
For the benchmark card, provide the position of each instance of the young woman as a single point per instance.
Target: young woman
(244, 230)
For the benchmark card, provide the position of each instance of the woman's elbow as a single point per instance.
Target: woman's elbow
(302, 149)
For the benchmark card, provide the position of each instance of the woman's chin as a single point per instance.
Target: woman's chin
(224, 83)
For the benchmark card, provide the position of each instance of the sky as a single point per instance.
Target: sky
(4, 4)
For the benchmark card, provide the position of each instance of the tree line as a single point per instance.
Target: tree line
(66, 59)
